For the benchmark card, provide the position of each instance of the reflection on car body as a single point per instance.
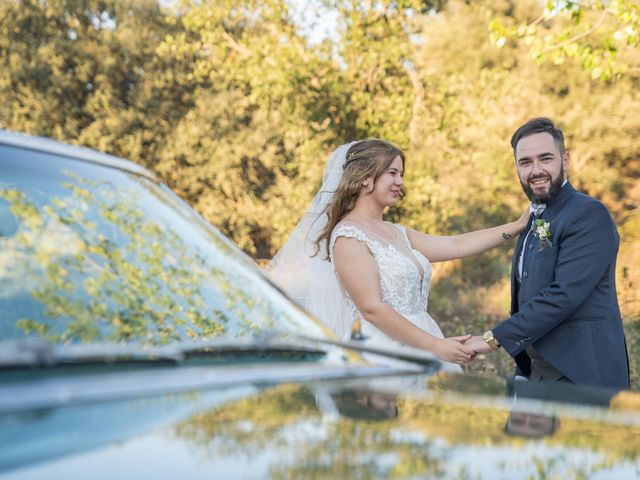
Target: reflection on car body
(136, 341)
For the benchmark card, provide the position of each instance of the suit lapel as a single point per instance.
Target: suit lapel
(554, 207)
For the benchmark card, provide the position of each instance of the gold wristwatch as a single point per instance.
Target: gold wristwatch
(491, 340)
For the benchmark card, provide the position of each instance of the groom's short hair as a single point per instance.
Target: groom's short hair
(539, 125)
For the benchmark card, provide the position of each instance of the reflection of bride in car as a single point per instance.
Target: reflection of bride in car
(378, 271)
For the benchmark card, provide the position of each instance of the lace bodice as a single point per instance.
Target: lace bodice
(404, 272)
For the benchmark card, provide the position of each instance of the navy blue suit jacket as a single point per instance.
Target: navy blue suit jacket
(566, 305)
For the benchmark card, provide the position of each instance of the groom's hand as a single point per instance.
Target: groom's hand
(477, 343)
(462, 339)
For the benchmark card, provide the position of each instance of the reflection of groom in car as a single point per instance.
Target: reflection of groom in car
(565, 322)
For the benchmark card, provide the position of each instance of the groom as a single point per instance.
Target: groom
(565, 322)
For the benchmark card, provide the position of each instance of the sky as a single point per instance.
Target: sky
(316, 22)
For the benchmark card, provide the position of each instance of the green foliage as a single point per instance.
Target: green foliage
(598, 35)
(248, 148)
(85, 71)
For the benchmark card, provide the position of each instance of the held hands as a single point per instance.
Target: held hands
(477, 343)
(454, 350)
(462, 349)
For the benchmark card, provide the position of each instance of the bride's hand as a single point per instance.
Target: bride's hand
(524, 219)
(453, 350)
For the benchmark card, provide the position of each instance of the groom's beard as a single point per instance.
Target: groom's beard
(550, 194)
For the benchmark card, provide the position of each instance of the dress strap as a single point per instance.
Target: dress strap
(349, 230)
(403, 234)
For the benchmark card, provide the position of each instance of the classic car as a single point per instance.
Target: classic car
(136, 341)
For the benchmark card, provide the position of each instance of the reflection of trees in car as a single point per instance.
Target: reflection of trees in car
(484, 426)
(262, 419)
(101, 270)
(286, 418)
(412, 445)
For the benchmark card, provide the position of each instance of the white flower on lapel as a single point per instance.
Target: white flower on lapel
(543, 233)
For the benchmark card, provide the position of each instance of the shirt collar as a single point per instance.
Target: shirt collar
(537, 208)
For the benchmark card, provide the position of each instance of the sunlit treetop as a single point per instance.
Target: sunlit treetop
(602, 36)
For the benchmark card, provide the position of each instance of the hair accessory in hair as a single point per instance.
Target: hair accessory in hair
(350, 158)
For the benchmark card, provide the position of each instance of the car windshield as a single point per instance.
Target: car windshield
(92, 253)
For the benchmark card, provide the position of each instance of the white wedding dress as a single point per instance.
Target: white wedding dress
(312, 283)
(405, 275)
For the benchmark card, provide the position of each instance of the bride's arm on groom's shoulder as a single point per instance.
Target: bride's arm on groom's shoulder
(358, 272)
(442, 248)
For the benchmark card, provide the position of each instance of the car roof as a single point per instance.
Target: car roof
(46, 145)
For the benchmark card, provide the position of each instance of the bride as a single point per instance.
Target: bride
(343, 261)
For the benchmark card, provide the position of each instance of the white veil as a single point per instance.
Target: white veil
(310, 280)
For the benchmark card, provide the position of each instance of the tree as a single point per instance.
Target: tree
(246, 155)
(601, 35)
(86, 71)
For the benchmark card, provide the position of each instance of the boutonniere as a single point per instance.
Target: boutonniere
(542, 232)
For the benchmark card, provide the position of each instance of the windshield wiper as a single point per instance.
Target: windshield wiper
(406, 354)
(267, 347)
(39, 354)
(36, 354)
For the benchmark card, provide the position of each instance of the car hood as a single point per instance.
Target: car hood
(405, 426)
